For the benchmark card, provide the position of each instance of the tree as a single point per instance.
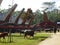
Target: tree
(50, 8)
(49, 5)
(38, 17)
(1, 1)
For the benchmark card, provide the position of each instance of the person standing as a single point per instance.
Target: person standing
(55, 29)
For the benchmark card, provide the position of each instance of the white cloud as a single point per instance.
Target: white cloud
(58, 4)
(33, 4)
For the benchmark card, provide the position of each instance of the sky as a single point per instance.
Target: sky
(33, 4)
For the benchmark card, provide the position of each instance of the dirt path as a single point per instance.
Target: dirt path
(53, 40)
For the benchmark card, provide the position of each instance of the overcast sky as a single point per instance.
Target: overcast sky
(33, 4)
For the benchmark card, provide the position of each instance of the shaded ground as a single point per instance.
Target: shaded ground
(53, 40)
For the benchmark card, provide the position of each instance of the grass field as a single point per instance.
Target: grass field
(19, 40)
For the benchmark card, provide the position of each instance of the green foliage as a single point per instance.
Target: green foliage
(53, 15)
(49, 6)
(49, 3)
(38, 18)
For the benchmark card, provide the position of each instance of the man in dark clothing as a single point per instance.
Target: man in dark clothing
(55, 30)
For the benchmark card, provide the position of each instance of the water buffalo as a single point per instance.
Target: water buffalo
(29, 33)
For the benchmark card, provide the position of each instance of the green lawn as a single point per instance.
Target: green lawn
(19, 40)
